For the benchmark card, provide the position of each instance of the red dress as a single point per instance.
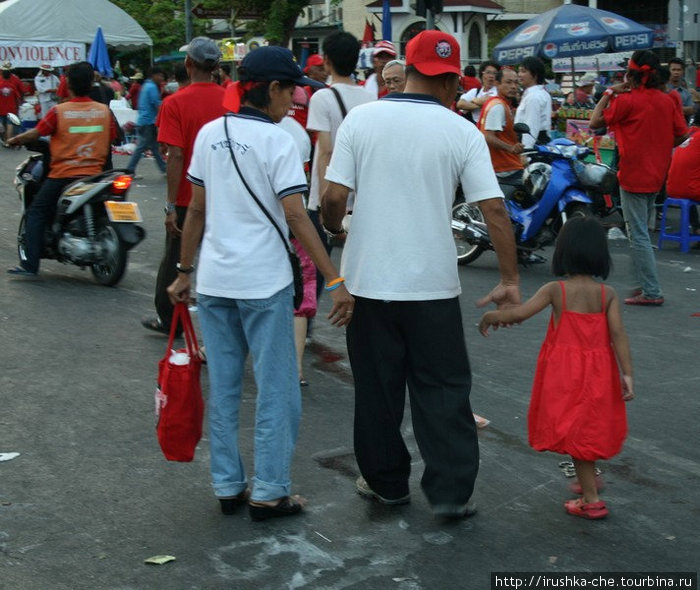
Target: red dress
(577, 407)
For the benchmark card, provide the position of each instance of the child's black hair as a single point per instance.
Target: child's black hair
(582, 249)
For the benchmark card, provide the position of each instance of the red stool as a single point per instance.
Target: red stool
(683, 236)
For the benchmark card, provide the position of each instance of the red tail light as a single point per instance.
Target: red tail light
(121, 184)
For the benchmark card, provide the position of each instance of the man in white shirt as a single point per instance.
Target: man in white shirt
(404, 156)
(472, 100)
(341, 51)
(383, 52)
(535, 108)
(46, 84)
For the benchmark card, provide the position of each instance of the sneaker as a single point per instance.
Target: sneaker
(363, 489)
(155, 324)
(453, 512)
(20, 271)
(642, 299)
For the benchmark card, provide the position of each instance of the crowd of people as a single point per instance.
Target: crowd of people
(314, 157)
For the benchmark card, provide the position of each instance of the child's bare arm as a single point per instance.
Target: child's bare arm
(520, 313)
(620, 343)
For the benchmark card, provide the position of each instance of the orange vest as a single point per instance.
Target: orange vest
(80, 145)
(502, 161)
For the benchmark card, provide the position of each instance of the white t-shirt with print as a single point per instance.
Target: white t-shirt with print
(325, 115)
(242, 255)
(404, 156)
(476, 93)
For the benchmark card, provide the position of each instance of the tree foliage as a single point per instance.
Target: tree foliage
(164, 20)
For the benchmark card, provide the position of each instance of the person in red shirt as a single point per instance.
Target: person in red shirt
(9, 100)
(647, 125)
(469, 80)
(134, 89)
(683, 180)
(181, 117)
(81, 131)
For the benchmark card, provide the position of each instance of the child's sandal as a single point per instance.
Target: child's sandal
(591, 511)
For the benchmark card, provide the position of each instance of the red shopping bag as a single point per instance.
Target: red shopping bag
(179, 404)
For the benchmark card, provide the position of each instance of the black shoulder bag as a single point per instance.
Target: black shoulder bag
(293, 258)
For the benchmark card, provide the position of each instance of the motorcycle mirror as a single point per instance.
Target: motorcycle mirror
(14, 119)
(521, 128)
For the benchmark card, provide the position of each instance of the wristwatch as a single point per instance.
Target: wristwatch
(184, 270)
(609, 92)
(169, 208)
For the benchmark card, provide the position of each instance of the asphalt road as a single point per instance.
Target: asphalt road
(90, 496)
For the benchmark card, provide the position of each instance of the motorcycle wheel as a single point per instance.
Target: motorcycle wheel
(466, 251)
(21, 239)
(110, 269)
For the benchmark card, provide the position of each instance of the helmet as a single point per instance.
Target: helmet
(536, 177)
(596, 176)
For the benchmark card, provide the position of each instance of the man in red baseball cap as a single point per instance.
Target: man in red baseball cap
(383, 52)
(314, 68)
(407, 324)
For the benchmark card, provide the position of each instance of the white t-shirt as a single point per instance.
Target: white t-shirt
(242, 255)
(495, 118)
(300, 136)
(404, 156)
(372, 85)
(535, 110)
(476, 93)
(325, 115)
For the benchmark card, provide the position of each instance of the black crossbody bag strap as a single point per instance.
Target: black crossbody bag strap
(291, 252)
(341, 104)
(252, 194)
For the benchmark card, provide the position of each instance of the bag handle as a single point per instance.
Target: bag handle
(182, 314)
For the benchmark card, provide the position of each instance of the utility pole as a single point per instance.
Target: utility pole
(188, 21)
(680, 49)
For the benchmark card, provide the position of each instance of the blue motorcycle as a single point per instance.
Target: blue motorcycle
(556, 184)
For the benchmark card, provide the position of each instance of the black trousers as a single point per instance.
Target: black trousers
(419, 344)
(167, 271)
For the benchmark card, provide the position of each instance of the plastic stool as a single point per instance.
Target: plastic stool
(684, 237)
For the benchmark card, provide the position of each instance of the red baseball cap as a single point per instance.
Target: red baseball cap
(384, 47)
(433, 53)
(313, 60)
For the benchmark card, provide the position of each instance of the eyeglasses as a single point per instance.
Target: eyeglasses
(393, 81)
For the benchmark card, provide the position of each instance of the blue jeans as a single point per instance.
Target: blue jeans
(147, 140)
(636, 208)
(231, 328)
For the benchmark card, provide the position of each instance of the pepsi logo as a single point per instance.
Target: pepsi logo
(579, 29)
(614, 23)
(550, 50)
(528, 33)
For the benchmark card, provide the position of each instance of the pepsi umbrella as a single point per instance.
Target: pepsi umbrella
(98, 56)
(569, 31)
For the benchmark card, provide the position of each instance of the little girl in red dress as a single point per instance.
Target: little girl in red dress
(577, 406)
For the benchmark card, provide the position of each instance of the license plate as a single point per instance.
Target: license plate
(122, 211)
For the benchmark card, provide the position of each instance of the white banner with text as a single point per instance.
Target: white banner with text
(32, 54)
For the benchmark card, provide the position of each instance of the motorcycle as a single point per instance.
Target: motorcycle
(555, 185)
(94, 224)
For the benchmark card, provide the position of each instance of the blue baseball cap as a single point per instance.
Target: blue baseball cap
(269, 63)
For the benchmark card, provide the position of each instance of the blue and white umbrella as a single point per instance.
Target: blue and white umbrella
(569, 31)
(98, 56)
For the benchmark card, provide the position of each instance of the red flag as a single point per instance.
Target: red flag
(368, 36)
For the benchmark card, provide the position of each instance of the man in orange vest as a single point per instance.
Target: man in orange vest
(81, 131)
(496, 123)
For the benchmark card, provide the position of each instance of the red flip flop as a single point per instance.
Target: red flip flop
(591, 511)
